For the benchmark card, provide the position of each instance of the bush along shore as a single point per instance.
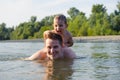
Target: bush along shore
(113, 38)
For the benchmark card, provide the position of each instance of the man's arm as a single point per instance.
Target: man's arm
(39, 55)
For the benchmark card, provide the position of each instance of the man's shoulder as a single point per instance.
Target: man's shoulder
(68, 53)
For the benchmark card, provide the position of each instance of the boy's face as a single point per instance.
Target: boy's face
(53, 48)
(59, 26)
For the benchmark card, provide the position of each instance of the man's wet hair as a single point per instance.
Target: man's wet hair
(54, 36)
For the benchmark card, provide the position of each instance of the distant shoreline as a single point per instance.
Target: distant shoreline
(111, 38)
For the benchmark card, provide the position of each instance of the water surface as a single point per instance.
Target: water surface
(95, 61)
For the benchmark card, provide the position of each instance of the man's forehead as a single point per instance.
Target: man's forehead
(51, 41)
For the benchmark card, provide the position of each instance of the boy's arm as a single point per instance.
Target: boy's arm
(69, 39)
(70, 42)
(45, 34)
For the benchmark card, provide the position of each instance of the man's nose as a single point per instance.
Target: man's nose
(58, 28)
(52, 50)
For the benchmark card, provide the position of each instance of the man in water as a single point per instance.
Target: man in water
(53, 49)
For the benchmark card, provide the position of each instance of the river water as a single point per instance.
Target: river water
(95, 61)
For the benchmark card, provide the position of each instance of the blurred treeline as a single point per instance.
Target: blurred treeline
(98, 23)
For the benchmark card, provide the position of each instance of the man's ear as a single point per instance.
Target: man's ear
(66, 25)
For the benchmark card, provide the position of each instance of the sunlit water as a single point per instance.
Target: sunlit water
(95, 61)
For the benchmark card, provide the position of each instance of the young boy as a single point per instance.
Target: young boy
(60, 27)
(53, 49)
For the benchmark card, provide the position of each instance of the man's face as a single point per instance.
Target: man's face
(59, 26)
(54, 49)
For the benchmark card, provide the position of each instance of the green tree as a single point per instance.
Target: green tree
(47, 21)
(73, 12)
(33, 19)
(76, 23)
(5, 32)
(97, 20)
(98, 8)
(2, 31)
(40, 33)
(118, 6)
(115, 19)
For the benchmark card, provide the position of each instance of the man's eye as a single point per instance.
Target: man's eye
(49, 47)
(55, 46)
(55, 25)
(60, 25)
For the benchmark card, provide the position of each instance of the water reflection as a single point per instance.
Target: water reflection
(58, 70)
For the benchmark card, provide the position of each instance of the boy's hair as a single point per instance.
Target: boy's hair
(54, 36)
(61, 17)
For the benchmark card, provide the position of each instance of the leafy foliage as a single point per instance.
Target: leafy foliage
(98, 23)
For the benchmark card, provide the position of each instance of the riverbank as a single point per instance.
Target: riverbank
(113, 38)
